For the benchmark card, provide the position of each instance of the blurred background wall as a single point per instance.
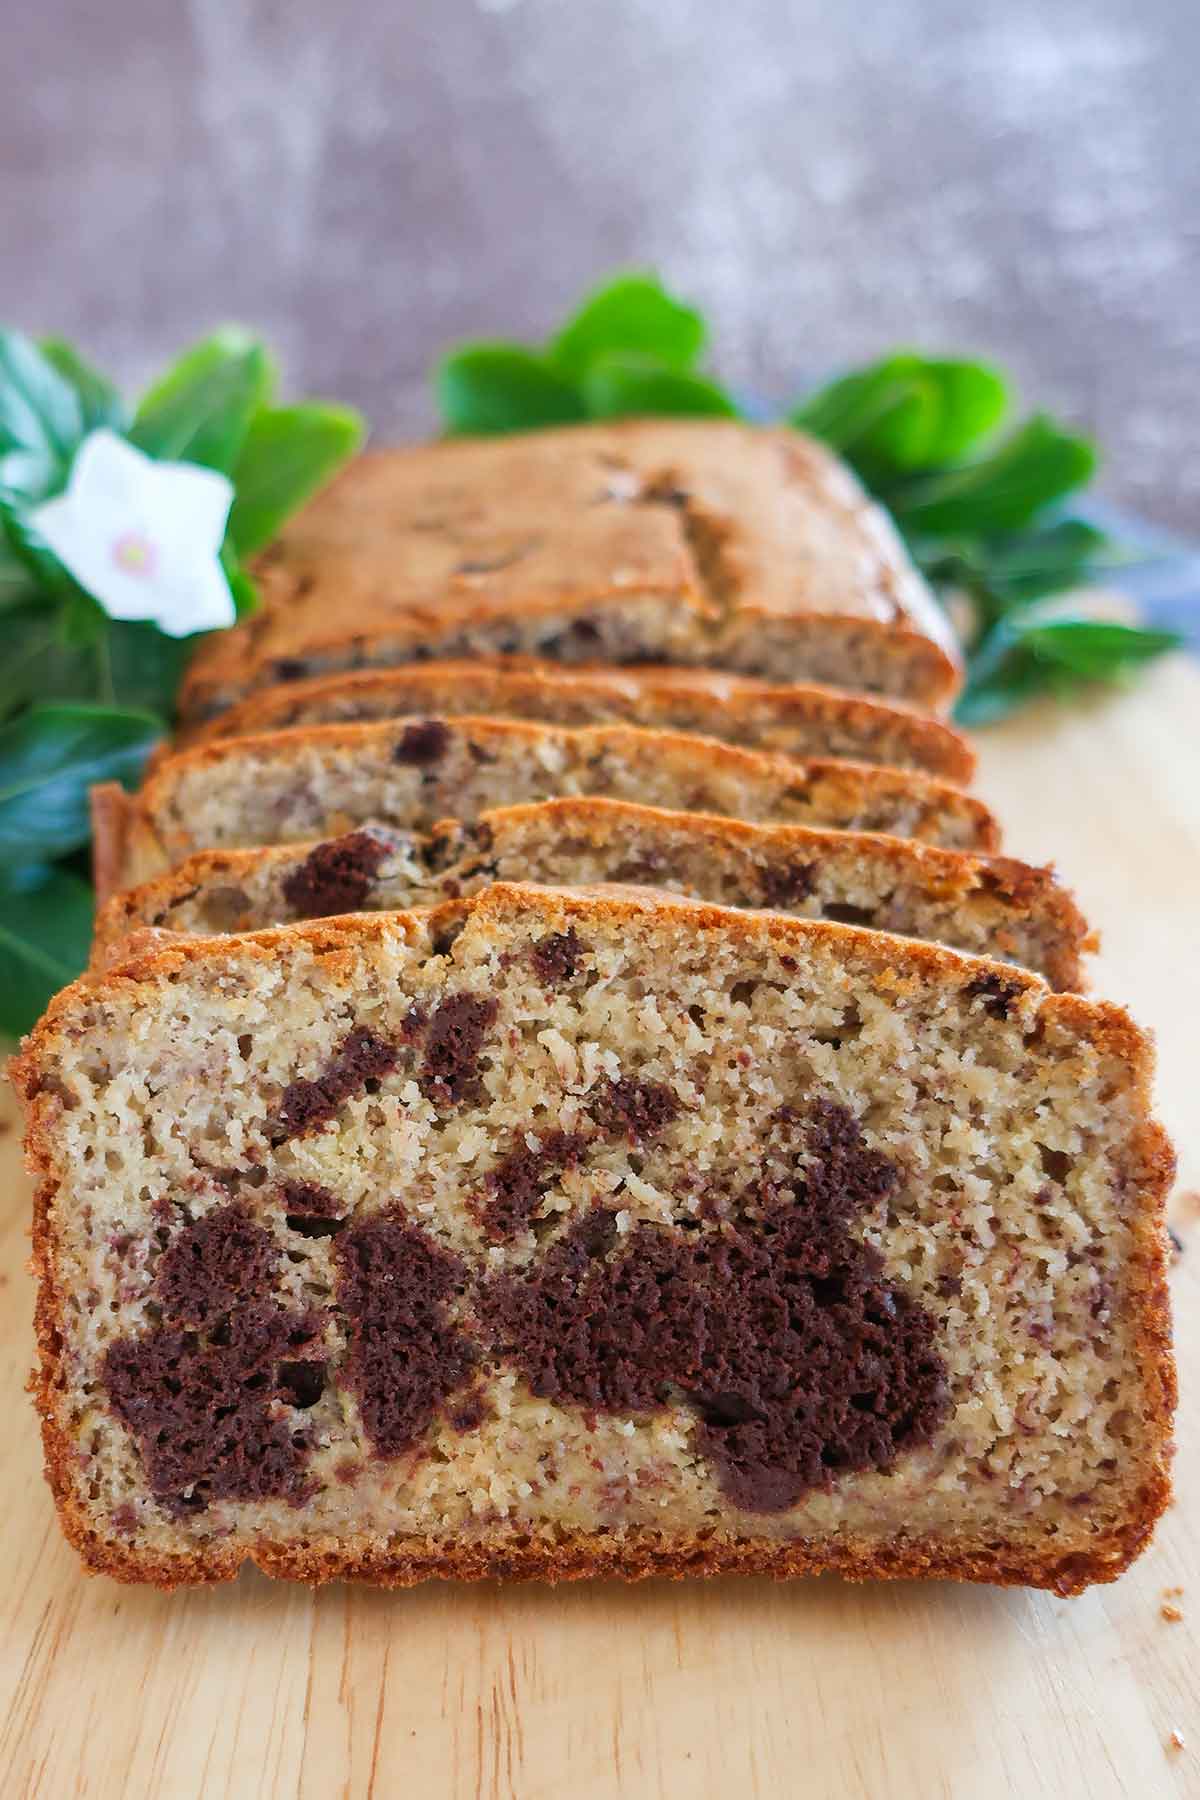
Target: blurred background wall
(365, 182)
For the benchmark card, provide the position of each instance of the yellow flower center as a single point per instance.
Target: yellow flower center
(134, 553)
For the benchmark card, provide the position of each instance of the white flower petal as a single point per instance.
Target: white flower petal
(188, 504)
(107, 474)
(122, 595)
(81, 542)
(142, 537)
(199, 597)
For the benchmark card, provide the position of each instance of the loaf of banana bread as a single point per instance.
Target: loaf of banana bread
(695, 541)
(320, 780)
(552, 1234)
(795, 720)
(990, 905)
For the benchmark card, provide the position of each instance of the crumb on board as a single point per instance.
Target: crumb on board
(1172, 1593)
(1172, 1614)
(1175, 1741)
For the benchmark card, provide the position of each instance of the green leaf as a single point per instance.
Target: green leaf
(17, 583)
(906, 412)
(130, 664)
(39, 410)
(27, 476)
(634, 314)
(1025, 567)
(146, 666)
(1005, 573)
(1036, 466)
(486, 389)
(84, 623)
(30, 644)
(848, 409)
(1021, 658)
(289, 452)
(1096, 649)
(99, 402)
(618, 387)
(49, 758)
(200, 410)
(45, 935)
(951, 407)
(24, 543)
(243, 589)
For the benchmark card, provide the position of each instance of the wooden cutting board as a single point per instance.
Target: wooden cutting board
(726, 1690)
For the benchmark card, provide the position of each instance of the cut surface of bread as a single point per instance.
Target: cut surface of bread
(321, 780)
(991, 906)
(558, 1235)
(795, 720)
(700, 542)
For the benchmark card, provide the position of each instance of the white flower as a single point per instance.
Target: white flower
(143, 536)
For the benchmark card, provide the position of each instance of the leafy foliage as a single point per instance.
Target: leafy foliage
(50, 757)
(45, 931)
(981, 501)
(200, 410)
(287, 453)
(621, 386)
(83, 697)
(905, 413)
(632, 315)
(484, 388)
(1025, 655)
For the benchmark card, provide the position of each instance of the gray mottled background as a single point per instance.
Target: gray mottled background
(366, 182)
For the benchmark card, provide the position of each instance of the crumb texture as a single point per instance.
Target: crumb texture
(795, 720)
(208, 1394)
(779, 1332)
(992, 906)
(555, 1232)
(328, 780)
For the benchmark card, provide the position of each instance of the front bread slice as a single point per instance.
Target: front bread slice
(568, 1234)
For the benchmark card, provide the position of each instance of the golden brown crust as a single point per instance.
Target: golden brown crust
(1150, 1166)
(406, 1562)
(950, 876)
(110, 810)
(1102, 1022)
(738, 709)
(704, 542)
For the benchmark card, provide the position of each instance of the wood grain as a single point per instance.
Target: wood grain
(678, 1692)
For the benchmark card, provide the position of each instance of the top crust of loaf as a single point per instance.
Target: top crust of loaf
(703, 542)
(797, 718)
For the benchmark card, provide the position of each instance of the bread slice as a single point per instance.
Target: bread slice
(292, 786)
(992, 906)
(695, 541)
(563, 1235)
(793, 720)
